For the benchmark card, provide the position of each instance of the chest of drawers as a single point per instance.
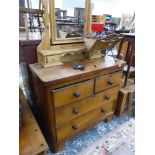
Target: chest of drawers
(72, 101)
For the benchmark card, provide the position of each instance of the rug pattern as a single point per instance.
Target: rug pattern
(82, 141)
(124, 134)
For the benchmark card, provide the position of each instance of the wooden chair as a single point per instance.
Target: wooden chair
(130, 52)
(29, 15)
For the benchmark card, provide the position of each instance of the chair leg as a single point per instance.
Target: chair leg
(129, 64)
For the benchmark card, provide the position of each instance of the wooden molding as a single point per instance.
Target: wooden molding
(88, 17)
(51, 55)
(55, 40)
(45, 43)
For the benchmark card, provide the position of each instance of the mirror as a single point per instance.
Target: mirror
(67, 19)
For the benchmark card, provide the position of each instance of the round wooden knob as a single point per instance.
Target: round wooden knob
(77, 94)
(75, 127)
(110, 82)
(103, 110)
(76, 111)
(107, 97)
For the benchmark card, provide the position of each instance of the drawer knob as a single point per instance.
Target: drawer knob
(77, 94)
(103, 110)
(76, 111)
(110, 82)
(107, 97)
(75, 127)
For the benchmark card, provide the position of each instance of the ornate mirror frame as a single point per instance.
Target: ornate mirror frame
(53, 30)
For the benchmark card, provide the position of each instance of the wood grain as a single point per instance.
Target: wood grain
(124, 101)
(72, 93)
(60, 51)
(84, 121)
(31, 139)
(107, 81)
(45, 43)
(44, 108)
(75, 109)
(63, 79)
(65, 72)
(88, 17)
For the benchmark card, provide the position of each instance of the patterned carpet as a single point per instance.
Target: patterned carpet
(85, 139)
(120, 141)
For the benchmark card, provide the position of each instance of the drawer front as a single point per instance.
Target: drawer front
(75, 109)
(107, 81)
(84, 122)
(72, 93)
(54, 58)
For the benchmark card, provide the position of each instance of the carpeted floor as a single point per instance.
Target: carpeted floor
(120, 141)
(83, 140)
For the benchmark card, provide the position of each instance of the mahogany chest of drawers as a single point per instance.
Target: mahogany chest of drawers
(72, 101)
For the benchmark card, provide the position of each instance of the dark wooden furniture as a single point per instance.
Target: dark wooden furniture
(28, 51)
(130, 38)
(124, 101)
(31, 139)
(71, 101)
(28, 55)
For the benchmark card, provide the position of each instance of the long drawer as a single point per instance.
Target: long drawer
(85, 121)
(75, 109)
(107, 81)
(72, 93)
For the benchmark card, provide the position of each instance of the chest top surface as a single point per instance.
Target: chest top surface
(56, 73)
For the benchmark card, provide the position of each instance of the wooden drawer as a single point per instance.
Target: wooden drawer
(54, 58)
(107, 81)
(75, 109)
(72, 93)
(84, 121)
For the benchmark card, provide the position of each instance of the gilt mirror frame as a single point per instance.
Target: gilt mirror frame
(53, 29)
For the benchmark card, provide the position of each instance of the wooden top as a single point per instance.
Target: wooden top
(65, 72)
(31, 139)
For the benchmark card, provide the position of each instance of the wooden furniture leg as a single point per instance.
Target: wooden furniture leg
(129, 61)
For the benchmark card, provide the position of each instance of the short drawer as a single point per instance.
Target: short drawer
(75, 109)
(107, 81)
(84, 122)
(54, 58)
(72, 93)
